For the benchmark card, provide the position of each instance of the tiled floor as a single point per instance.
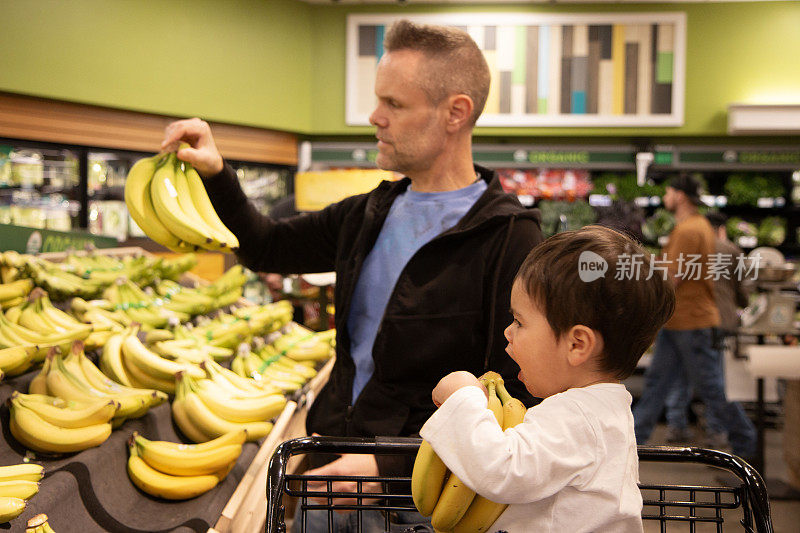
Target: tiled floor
(785, 514)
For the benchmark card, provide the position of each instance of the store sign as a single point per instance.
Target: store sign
(33, 240)
(777, 158)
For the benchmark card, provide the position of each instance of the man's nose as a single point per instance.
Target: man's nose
(376, 119)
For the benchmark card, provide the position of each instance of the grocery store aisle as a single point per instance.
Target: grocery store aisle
(785, 513)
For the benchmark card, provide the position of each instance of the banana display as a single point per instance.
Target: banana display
(39, 524)
(87, 276)
(167, 199)
(175, 471)
(18, 483)
(439, 493)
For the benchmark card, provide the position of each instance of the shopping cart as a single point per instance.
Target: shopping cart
(681, 506)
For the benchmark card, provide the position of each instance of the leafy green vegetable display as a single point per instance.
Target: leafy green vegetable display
(578, 214)
(746, 189)
(771, 231)
(737, 227)
(658, 225)
(624, 186)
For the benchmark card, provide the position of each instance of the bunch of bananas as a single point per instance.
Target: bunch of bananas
(18, 483)
(206, 409)
(439, 493)
(225, 291)
(75, 378)
(168, 200)
(127, 360)
(58, 282)
(176, 471)
(39, 524)
(16, 360)
(100, 314)
(267, 366)
(302, 344)
(51, 425)
(13, 293)
(43, 338)
(147, 310)
(39, 314)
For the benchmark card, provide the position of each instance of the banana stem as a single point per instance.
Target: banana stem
(502, 393)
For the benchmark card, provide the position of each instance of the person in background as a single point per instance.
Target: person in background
(730, 296)
(572, 464)
(423, 265)
(687, 340)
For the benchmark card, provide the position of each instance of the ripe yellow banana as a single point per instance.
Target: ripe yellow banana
(187, 206)
(211, 424)
(10, 508)
(111, 359)
(241, 409)
(427, 479)
(91, 413)
(184, 423)
(151, 363)
(165, 201)
(39, 524)
(22, 471)
(234, 437)
(138, 198)
(15, 289)
(16, 360)
(456, 498)
(19, 488)
(166, 486)
(36, 434)
(204, 207)
(186, 462)
(482, 513)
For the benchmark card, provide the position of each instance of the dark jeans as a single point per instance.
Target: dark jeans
(692, 352)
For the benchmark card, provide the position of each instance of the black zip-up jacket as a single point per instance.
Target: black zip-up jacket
(447, 312)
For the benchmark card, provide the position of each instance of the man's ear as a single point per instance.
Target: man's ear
(459, 111)
(583, 344)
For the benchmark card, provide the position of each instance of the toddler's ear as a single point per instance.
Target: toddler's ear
(584, 343)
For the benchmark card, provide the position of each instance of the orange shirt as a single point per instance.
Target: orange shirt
(687, 252)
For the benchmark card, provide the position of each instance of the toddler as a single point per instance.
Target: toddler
(581, 323)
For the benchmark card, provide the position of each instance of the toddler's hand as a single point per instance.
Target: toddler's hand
(451, 383)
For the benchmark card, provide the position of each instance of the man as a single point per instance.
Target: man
(729, 295)
(685, 345)
(424, 265)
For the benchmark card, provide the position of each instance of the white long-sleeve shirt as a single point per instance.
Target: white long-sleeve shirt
(571, 465)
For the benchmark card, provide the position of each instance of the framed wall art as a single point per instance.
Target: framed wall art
(550, 70)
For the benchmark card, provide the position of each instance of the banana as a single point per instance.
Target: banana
(482, 513)
(111, 359)
(204, 207)
(19, 488)
(39, 524)
(165, 201)
(187, 206)
(213, 425)
(241, 409)
(427, 479)
(234, 437)
(101, 382)
(141, 379)
(64, 383)
(151, 363)
(166, 486)
(38, 384)
(15, 289)
(140, 205)
(184, 423)
(184, 462)
(41, 436)
(16, 360)
(10, 508)
(88, 414)
(22, 471)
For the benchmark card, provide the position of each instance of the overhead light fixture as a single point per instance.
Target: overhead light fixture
(763, 119)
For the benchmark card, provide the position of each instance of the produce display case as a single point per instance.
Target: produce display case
(91, 490)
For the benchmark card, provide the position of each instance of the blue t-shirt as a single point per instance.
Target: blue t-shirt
(414, 219)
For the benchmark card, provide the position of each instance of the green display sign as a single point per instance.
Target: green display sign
(774, 158)
(34, 240)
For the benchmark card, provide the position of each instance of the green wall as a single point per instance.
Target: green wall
(280, 63)
(239, 61)
(736, 52)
